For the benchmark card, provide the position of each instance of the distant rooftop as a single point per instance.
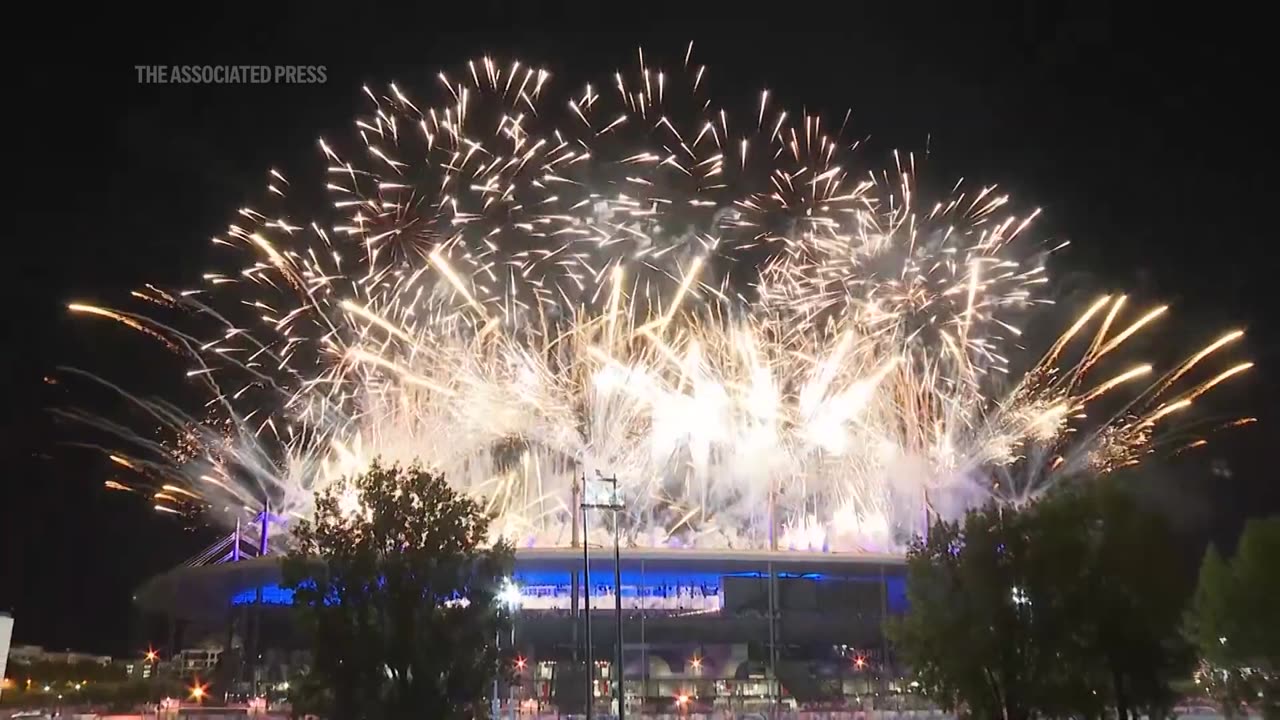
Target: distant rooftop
(36, 653)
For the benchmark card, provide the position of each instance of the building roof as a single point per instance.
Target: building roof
(206, 592)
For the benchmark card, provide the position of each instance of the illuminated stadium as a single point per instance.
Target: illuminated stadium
(704, 625)
(786, 356)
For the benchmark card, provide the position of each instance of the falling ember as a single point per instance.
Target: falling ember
(125, 319)
(180, 491)
(767, 342)
(1191, 446)
(126, 462)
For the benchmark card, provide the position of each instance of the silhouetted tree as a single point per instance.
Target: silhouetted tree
(1068, 606)
(395, 582)
(969, 634)
(1235, 619)
(1133, 603)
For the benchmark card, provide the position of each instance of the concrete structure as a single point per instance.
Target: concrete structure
(141, 669)
(713, 627)
(199, 661)
(6, 634)
(38, 654)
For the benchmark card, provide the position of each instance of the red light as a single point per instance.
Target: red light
(519, 663)
(859, 662)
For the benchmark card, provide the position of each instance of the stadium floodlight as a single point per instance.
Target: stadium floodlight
(510, 596)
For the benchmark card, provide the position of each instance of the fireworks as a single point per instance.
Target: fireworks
(768, 346)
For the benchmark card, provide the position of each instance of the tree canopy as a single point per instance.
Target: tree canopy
(1235, 619)
(1068, 606)
(396, 583)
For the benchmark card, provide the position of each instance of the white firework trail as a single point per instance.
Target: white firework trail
(769, 347)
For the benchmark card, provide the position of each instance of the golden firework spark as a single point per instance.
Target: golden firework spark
(766, 344)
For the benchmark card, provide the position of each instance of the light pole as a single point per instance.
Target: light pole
(615, 504)
(493, 700)
(508, 597)
(586, 602)
(511, 686)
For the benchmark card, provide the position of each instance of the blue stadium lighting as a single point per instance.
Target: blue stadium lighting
(271, 595)
(895, 587)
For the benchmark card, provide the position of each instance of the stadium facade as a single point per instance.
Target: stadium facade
(699, 628)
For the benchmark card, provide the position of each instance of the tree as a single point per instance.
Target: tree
(308, 695)
(1211, 616)
(1235, 619)
(1133, 603)
(1066, 607)
(394, 582)
(969, 633)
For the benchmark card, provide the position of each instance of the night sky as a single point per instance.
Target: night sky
(1146, 137)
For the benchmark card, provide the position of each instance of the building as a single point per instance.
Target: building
(199, 661)
(6, 634)
(140, 669)
(30, 654)
(711, 627)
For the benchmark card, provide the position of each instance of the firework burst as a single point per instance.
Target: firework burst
(768, 346)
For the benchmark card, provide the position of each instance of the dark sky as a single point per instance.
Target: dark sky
(1145, 136)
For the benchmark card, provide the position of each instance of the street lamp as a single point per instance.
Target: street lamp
(615, 505)
(510, 598)
(520, 664)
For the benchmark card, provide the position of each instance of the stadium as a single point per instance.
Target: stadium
(793, 359)
(700, 629)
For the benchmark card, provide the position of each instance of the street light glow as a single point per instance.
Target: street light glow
(509, 595)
